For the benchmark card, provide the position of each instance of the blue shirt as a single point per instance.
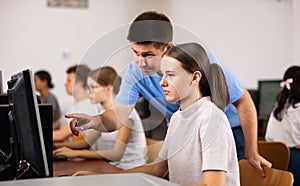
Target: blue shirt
(136, 84)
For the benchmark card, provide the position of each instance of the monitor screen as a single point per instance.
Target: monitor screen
(29, 147)
(268, 90)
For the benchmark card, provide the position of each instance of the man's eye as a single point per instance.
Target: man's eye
(171, 75)
(148, 55)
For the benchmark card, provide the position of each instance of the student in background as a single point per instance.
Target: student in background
(126, 147)
(199, 146)
(284, 122)
(43, 84)
(150, 35)
(75, 86)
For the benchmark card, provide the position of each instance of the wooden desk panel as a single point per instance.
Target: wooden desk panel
(71, 166)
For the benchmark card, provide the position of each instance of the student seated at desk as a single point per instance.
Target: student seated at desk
(284, 121)
(75, 86)
(199, 146)
(43, 84)
(126, 147)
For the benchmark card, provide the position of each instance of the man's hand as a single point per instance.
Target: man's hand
(258, 162)
(83, 122)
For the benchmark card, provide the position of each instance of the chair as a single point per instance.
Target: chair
(278, 153)
(154, 147)
(249, 176)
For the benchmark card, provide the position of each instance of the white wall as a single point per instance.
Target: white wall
(296, 32)
(254, 38)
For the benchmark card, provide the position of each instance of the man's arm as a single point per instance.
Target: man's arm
(248, 118)
(108, 121)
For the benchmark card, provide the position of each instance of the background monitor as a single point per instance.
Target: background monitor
(267, 90)
(26, 130)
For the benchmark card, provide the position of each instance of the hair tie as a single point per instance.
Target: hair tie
(286, 83)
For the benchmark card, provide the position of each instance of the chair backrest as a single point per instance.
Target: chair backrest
(154, 147)
(249, 176)
(278, 153)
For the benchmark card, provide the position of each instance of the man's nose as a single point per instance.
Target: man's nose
(141, 61)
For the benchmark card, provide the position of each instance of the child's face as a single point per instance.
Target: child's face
(39, 84)
(96, 92)
(176, 82)
(147, 57)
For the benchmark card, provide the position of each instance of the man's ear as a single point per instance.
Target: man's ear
(169, 45)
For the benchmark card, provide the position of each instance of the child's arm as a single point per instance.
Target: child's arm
(84, 143)
(158, 168)
(62, 134)
(214, 177)
(114, 154)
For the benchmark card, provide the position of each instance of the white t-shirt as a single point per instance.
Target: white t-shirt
(287, 130)
(200, 138)
(136, 150)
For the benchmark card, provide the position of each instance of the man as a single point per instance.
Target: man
(75, 86)
(150, 35)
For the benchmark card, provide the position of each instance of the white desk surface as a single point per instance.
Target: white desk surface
(93, 180)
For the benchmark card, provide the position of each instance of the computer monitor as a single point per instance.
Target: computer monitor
(26, 130)
(268, 90)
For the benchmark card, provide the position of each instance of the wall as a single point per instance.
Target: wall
(254, 38)
(296, 32)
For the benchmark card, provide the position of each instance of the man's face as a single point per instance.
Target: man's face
(70, 82)
(147, 57)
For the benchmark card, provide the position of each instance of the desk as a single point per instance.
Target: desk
(94, 180)
(71, 166)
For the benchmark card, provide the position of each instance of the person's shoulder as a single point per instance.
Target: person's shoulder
(51, 98)
(135, 116)
(133, 73)
(133, 68)
(51, 95)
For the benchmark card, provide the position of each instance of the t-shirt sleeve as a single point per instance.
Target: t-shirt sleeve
(163, 153)
(129, 91)
(216, 155)
(235, 87)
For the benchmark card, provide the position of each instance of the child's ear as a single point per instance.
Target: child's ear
(197, 77)
(109, 88)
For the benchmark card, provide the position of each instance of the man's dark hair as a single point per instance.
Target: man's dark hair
(81, 73)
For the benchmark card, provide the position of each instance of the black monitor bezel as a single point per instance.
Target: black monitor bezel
(38, 158)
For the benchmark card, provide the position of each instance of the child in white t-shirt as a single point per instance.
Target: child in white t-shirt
(284, 122)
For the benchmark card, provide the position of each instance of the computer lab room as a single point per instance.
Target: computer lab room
(136, 92)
